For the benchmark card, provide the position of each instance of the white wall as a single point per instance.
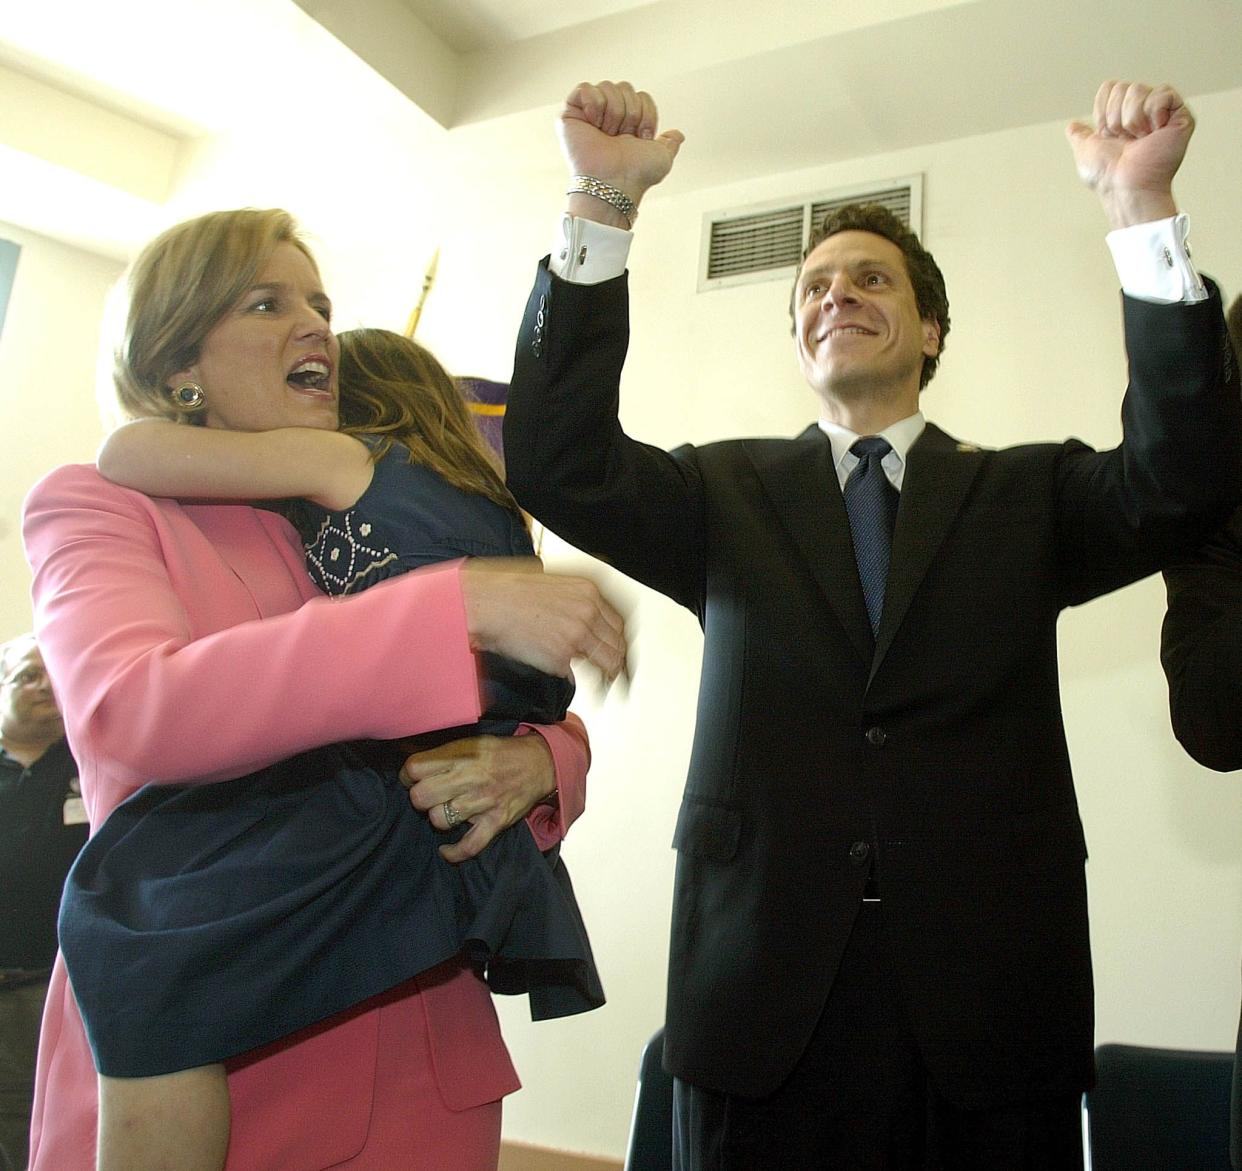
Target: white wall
(1034, 353)
(48, 412)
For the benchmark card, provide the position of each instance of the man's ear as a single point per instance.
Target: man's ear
(931, 337)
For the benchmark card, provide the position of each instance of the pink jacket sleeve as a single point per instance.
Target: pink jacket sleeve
(183, 647)
(571, 757)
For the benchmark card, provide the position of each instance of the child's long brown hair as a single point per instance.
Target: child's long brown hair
(395, 389)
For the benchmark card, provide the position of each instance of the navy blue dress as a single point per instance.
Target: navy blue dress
(202, 921)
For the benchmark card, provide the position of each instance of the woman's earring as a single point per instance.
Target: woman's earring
(188, 396)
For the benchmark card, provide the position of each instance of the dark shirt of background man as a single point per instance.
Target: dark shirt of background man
(42, 828)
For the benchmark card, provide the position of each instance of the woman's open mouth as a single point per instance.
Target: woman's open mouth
(311, 374)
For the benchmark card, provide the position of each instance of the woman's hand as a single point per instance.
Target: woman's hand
(547, 620)
(490, 781)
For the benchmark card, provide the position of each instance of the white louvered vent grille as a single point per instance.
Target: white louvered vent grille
(766, 243)
(748, 243)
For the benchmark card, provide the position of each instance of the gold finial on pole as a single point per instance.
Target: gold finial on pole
(428, 280)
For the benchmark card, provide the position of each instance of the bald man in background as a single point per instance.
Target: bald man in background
(42, 828)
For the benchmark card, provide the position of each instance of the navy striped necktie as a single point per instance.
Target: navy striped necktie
(871, 505)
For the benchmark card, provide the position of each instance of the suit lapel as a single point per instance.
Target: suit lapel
(939, 472)
(800, 479)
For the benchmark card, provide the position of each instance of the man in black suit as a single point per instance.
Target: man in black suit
(879, 948)
(1201, 650)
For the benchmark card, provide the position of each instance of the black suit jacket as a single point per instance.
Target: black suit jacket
(1201, 649)
(935, 755)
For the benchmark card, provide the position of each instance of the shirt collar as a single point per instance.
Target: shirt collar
(900, 435)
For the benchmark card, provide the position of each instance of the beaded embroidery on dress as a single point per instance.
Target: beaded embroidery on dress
(340, 559)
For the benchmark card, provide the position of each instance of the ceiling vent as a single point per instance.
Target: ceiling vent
(765, 242)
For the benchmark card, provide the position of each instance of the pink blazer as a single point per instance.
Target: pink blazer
(187, 643)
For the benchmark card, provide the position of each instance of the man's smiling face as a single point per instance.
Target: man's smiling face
(857, 325)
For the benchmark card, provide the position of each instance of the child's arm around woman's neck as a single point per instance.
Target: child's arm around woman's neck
(163, 458)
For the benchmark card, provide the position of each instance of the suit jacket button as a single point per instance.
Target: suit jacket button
(859, 853)
(876, 737)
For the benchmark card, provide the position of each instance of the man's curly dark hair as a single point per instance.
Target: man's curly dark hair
(925, 275)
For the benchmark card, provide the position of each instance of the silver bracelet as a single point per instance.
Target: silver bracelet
(613, 196)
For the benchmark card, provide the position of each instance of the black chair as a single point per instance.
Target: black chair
(1159, 1110)
(651, 1129)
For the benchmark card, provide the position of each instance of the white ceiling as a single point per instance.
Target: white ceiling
(467, 26)
(758, 88)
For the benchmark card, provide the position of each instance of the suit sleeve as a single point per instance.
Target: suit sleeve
(141, 689)
(1201, 650)
(1177, 473)
(568, 461)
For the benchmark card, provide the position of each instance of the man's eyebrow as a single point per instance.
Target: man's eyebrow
(873, 262)
(856, 263)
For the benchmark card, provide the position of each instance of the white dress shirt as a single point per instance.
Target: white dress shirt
(1152, 259)
(901, 436)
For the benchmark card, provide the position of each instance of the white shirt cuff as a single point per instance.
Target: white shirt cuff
(1153, 261)
(588, 253)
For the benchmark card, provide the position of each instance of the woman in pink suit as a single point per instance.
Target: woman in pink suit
(187, 644)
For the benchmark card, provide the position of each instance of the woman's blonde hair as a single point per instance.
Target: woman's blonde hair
(180, 286)
(395, 389)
